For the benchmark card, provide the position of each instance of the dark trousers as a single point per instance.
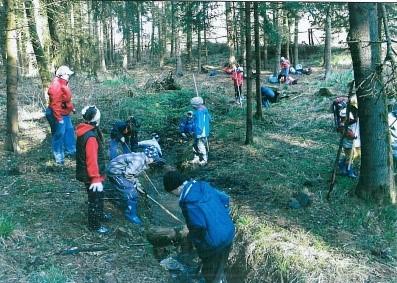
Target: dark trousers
(237, 91)
(95, 208)
(213, 268)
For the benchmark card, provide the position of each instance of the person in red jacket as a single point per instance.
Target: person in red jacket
(238, 78)
(90, 166)
(58, 115)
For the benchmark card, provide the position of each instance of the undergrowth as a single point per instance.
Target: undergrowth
(6, 226)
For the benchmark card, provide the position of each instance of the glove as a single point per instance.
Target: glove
(96, 187)
(74, 110)
(129, 176)
(122, 139)
(61, 122)
(184, 135)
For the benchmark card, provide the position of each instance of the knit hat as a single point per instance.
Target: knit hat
(172, 180)
(196, 101)
(152, 152)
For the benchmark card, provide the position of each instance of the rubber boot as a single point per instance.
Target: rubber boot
(131, 214)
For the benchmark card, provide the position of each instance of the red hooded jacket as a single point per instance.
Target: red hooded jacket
(60, 98)
(91, 150)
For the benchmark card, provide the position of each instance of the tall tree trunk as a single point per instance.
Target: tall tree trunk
(229, 32)
(3, 33)
(198, 49)
(56, 57)
(205, 27)
(249, 135)
(276, 21)
(235, 31)
(286, 34)
(179, 71)
(138, 42)
(242, 36)
(296, 46)
(376, 182)
(172, 54)
(327, 45)
(38, 50)
(189, 40)
(258, 114)
(11, 80)
(101, 40)
(265, 36)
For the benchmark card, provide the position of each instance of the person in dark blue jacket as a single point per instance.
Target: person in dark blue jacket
(124, 133)
(268, 95)
(186, 126)
(211, 229)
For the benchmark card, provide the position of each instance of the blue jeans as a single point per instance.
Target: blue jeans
(126, 188)
(113, 148)
(63, 138)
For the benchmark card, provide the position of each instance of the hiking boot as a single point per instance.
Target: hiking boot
(202, 162)
(195, 160)
(103, 230)
(107, 217)
(342, 168)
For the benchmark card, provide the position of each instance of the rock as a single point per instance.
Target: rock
(324, 91)
(294, 203)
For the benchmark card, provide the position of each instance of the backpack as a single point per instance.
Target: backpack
(339, 104)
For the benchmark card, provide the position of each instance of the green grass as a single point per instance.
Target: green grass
(6, 226)
(51, 275)
(118, 81)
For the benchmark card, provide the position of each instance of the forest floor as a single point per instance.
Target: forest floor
(43, 207)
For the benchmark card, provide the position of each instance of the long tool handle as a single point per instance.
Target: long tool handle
(150, 181)
(195, 85)
(160, 205)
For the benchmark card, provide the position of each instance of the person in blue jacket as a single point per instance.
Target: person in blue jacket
(186, 126)
(211, 229)
(201, 121)
(268, 95)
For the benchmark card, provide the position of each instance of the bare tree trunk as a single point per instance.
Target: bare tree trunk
(199, 49)
(38, 50)
(296, 46)
(265, 36)
(276, 21)
(189, 19)
(173, 36)
(179, 71)
(327, 45)
(249, 135)
(376, 182)
(138, 21)
(286, 34)
(51, 7)
(11, 80)
(229, 33)
(101, 41)
(258, 114)
(242, 36)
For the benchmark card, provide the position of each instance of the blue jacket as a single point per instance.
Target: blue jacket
(202, 119)
(186, 126)
(206, 211)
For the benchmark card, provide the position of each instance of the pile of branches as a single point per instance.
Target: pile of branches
(162, 82)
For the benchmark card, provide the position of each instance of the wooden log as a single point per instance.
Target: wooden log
(165, 236)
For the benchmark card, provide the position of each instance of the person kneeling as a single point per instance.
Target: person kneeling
(211, 229)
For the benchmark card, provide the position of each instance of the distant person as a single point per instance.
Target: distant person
(123, 172)
(186, 125)
(284, 72)
(124, 133)
(90, 166)
(201, 121)
(60, 106)
(211, 229)
(351, 141)
(238, 78)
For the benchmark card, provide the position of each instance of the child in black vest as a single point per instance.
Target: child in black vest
(90, 166)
